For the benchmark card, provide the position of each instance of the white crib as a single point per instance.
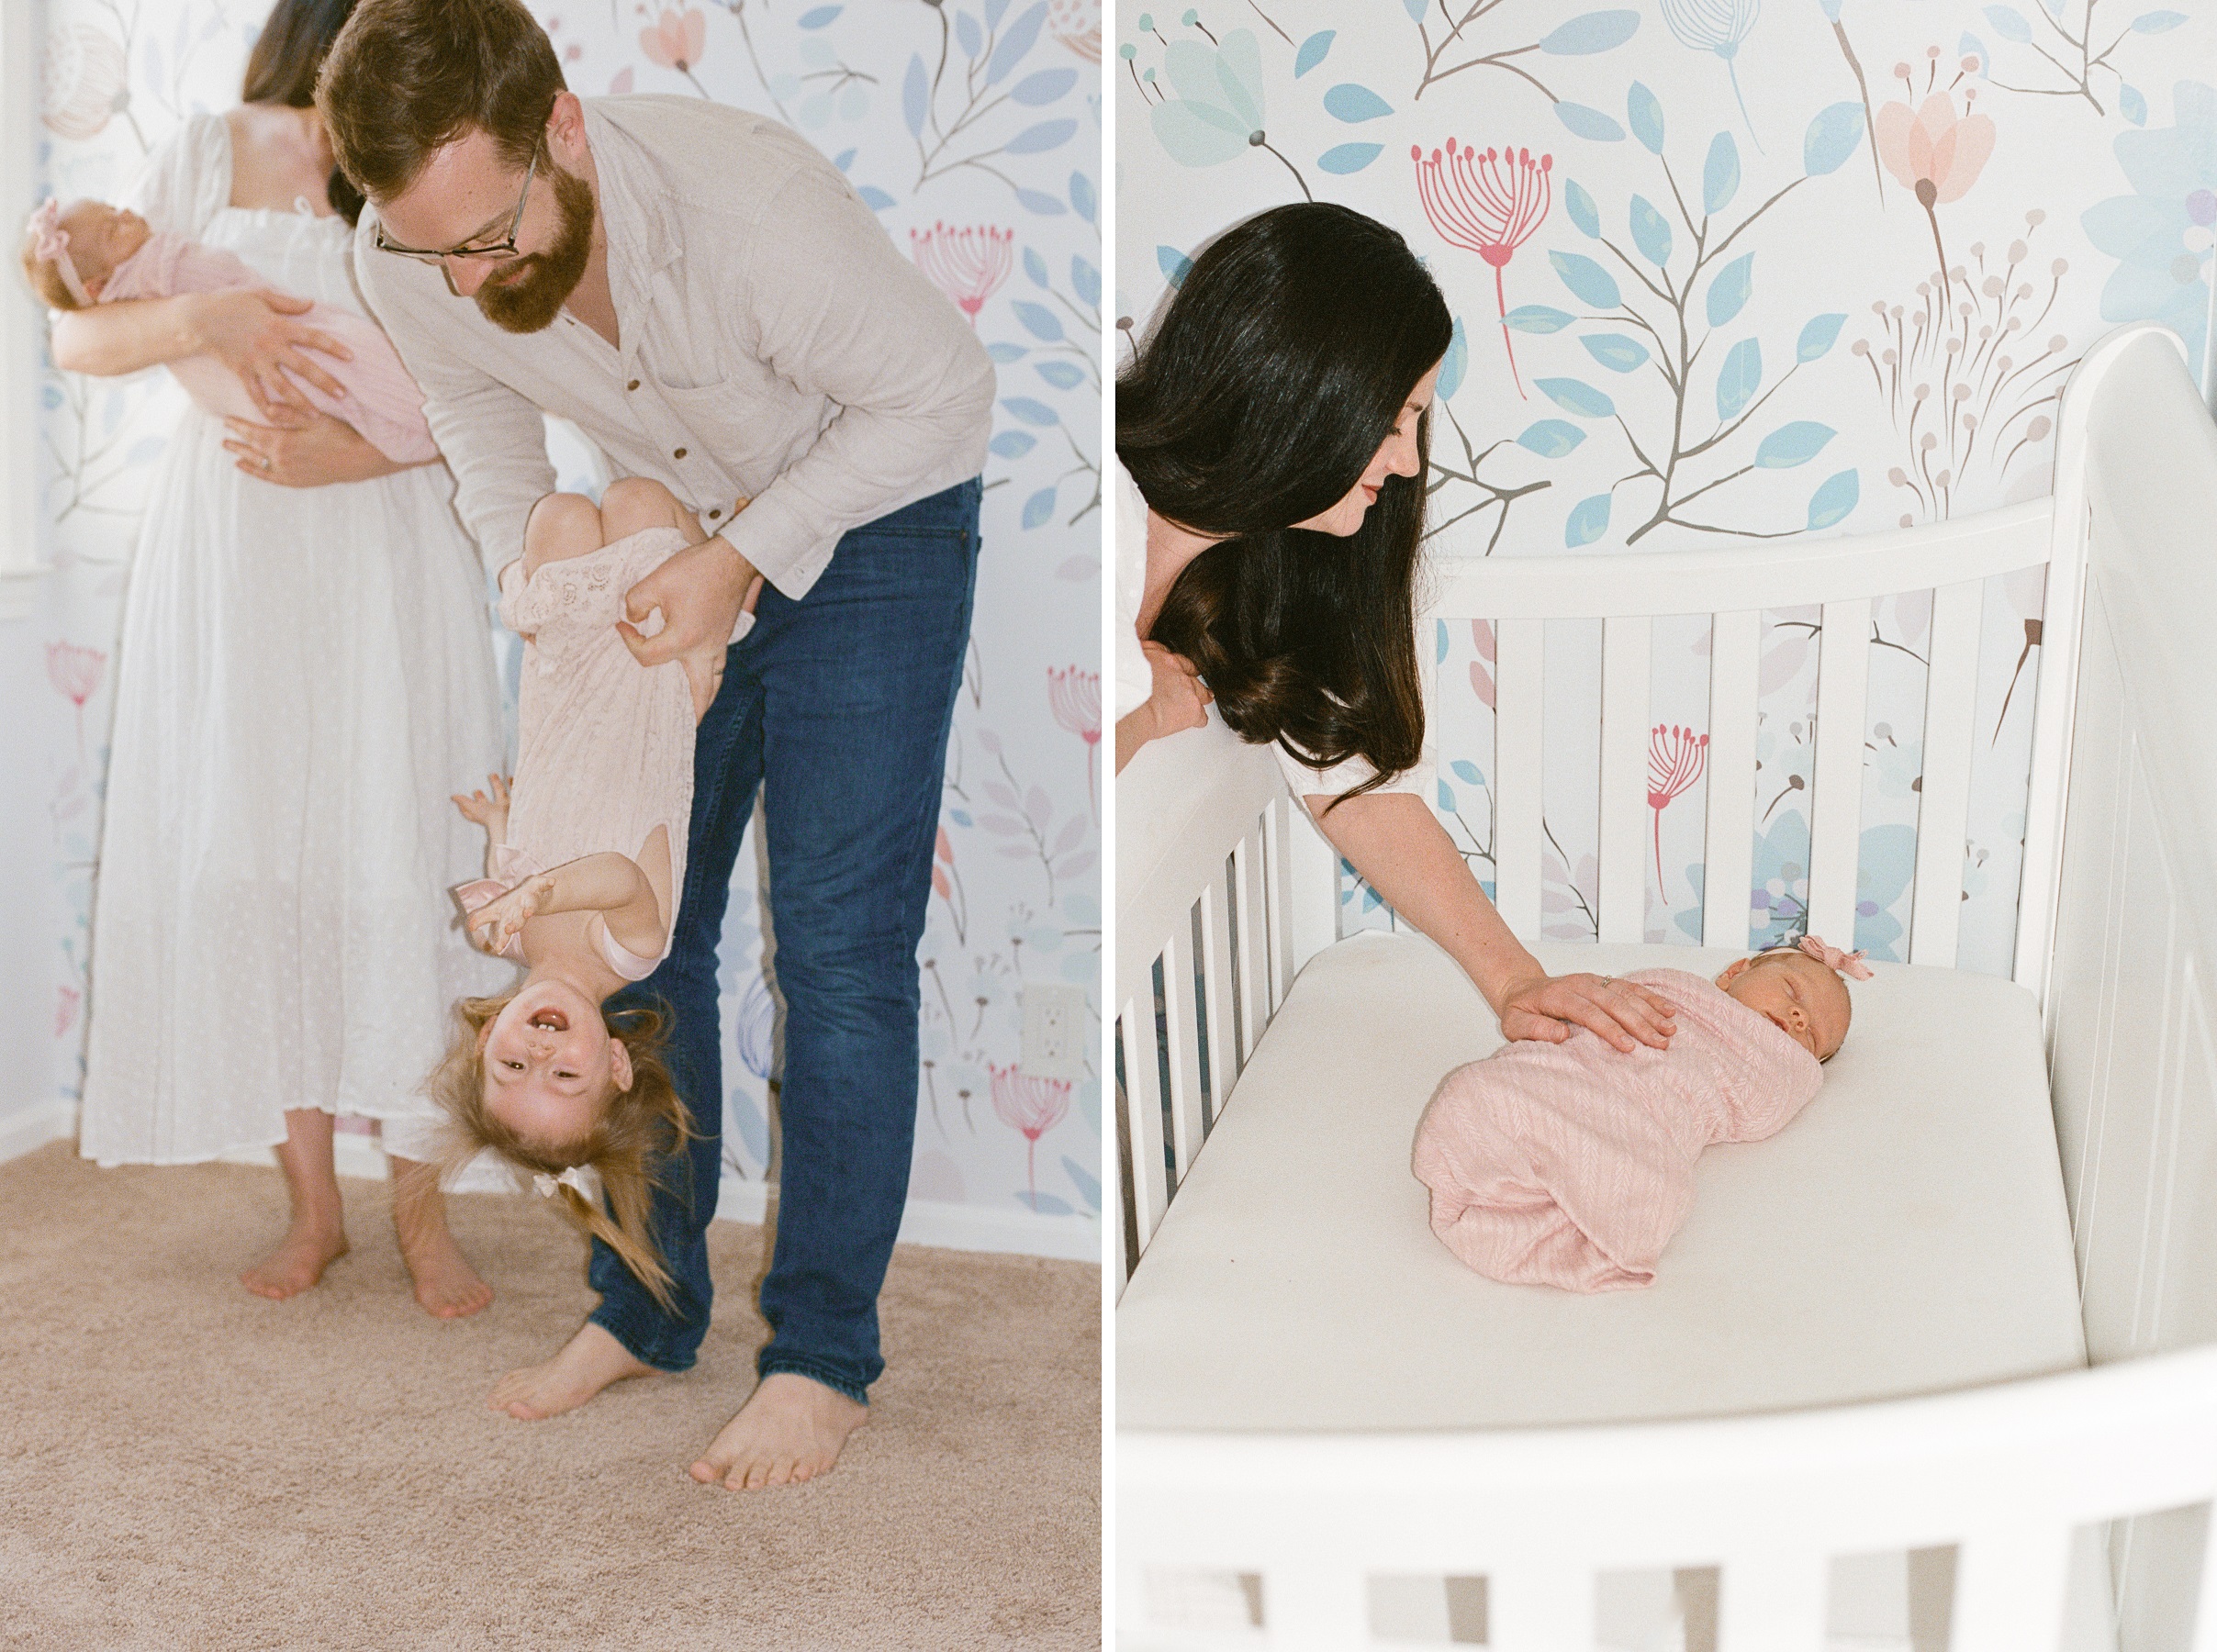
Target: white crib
(2057, 1430)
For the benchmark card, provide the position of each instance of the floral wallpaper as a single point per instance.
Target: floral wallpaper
(974, 131)
(1720, 269)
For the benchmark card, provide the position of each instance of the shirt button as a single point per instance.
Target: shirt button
(678, 454)
(714, 514)
(632, 385)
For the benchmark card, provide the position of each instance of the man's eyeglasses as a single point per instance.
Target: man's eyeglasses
(504, 248)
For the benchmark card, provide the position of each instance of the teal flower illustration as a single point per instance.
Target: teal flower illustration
(1218, 109)
(2162, 234)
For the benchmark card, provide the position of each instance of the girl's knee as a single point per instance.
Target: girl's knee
(562, 524)
(632, 504)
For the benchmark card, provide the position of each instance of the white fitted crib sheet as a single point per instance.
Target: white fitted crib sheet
(1906, 1233)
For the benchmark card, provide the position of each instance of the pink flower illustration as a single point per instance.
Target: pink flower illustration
(1075, 696)
(1077, 24)
(677, 43)
(75, 671)
(1488, 204)
(1676, 758)
(1936, 153)
(87, 82)
(1032, 1106)
(66, 1010)
(967, 265)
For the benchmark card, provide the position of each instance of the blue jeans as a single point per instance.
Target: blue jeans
(838, 706)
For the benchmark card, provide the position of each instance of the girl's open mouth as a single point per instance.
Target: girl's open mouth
(551, 1020)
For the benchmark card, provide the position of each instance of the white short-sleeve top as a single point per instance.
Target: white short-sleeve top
(1134, 682)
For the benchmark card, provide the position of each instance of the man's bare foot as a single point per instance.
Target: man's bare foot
(588, 1362)
(790, 1429)
(309, 1245)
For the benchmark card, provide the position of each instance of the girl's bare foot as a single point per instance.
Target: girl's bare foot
(447, 1287)
(311, 1244)
(588, 1362)
(792, 1429)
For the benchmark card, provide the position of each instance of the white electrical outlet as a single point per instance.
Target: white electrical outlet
(1055, 1023)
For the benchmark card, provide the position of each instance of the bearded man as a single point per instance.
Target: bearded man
(708, 299)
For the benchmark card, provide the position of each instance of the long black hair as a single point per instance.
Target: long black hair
(282, 66)
(1261, 395)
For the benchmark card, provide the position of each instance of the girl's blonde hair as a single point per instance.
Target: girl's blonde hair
(643, 1124)
(45, 278)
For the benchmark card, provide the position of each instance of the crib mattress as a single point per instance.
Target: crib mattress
(1906, 1233)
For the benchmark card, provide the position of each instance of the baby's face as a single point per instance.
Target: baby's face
(1808, 1002)
(550, 1065)
(101, 237)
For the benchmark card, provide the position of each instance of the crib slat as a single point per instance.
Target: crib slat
(1944, 794)
(1184, 1029)
(1520, 656)
(1772, 1602)
(1539, 1607)
(1836, 812)
(1216, 979)
(1143, 1116)
(1278, 881)
(1625, 646)
(2009, 1587)
(1728, 873)
(1254, 940)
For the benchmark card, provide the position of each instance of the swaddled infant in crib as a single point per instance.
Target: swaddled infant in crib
(1572, 1164)
(94, 253)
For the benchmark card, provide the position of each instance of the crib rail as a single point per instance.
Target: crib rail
(2007, 1476)
(1734, 587)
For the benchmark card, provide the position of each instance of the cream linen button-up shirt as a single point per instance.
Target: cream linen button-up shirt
(773, 345)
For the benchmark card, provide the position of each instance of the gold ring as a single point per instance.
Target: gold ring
(1608, 980)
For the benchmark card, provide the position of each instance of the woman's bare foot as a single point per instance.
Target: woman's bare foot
(311, 1244)
(447, 1287)
(790, 1429)
(588, 1362)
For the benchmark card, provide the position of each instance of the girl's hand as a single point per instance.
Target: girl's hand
(1626, 1014)
(493, 925)
(1180, 698)
(305, 450)
(250, 333)
(489, 813)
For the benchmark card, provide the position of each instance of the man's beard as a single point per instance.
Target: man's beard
(526, 294)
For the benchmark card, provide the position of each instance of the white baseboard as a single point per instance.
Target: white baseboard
(31, 1129)
(925, 1221)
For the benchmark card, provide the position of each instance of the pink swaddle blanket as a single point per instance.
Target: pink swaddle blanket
(381, 401)
(1571, 1165)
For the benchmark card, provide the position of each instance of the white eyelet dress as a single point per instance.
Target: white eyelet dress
(304, 676)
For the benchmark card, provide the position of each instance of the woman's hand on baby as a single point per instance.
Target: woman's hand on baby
(1622, 1013)
(493, 925)
(252, 334)
(490, 812)
(1179, 699)
(303, 450)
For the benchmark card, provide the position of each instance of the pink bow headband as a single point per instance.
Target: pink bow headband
(53, 247)
(1849, 964)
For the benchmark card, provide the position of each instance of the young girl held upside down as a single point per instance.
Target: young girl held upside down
(585, 860)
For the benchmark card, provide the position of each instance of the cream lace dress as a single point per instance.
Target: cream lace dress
(304, 676)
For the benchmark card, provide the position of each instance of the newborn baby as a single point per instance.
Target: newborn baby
(94, 253)
(1572, 1164)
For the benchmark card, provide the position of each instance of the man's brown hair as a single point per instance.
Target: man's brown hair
(405, 78)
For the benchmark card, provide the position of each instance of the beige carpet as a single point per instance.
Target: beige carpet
(184, 1465)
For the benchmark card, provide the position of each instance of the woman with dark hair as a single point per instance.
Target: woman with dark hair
(305, 673)
(1272, 434)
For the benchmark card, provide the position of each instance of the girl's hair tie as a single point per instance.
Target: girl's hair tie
(53, 248)
(1848, 963)
(581, 1178)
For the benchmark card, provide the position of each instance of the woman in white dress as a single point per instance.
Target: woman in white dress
(305, 675)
